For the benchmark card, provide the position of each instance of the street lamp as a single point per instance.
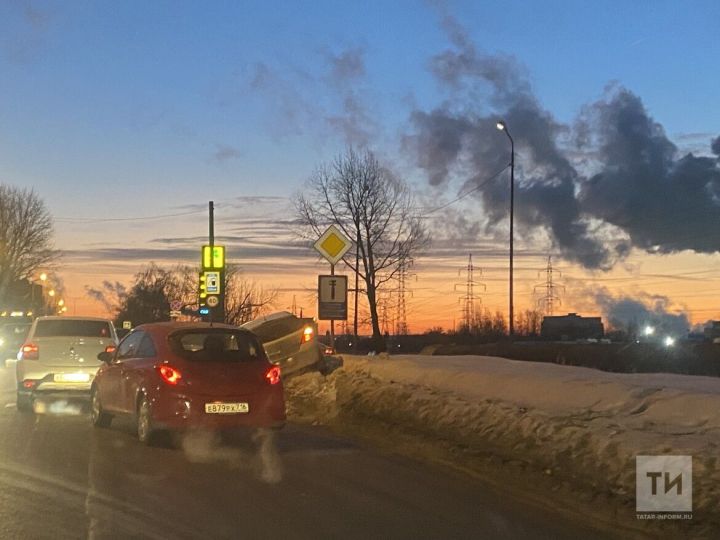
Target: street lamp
(503, 127)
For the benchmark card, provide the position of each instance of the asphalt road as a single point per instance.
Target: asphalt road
(61, 478)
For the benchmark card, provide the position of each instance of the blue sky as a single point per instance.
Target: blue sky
(139, 108)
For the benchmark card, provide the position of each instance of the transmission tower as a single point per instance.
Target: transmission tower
(384, 317)
(550, 298)
(401, 319)
(468, 301)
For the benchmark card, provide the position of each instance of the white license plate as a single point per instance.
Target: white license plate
(72, 377)
(227, 408)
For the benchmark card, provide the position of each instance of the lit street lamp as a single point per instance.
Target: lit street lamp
(503, 127)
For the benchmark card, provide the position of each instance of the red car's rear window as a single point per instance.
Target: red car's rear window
(216, 345)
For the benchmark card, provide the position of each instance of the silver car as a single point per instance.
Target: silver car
(289, 341)
(59, 357)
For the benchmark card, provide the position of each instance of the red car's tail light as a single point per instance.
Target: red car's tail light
(169, 374)
(273, 375)
(110, 349)
(30, 351)
(307, 335)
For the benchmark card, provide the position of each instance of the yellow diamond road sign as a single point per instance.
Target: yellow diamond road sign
(333, 244)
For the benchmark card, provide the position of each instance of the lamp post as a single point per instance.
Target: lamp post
(503, 127)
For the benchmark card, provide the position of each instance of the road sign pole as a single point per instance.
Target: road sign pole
(332, 322)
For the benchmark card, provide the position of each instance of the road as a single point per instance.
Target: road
(61, 478)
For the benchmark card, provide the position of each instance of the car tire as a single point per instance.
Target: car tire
(146, 433)
(99, 417)
(24, 404)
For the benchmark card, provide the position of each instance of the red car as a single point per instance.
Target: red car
(173, 376)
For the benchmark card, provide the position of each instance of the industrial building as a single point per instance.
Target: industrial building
(712, 331)
(571, 327)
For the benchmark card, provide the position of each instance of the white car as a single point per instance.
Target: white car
(289, 341)
(59, 357)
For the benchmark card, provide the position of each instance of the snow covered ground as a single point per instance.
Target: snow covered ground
(579, 424)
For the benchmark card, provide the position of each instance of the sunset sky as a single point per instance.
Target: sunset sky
(128, 117)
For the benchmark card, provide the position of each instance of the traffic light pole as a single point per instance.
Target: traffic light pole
(212, 224)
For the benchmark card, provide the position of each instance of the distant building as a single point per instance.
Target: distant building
(571, 327)
(712, 332)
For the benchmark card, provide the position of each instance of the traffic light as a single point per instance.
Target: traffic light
(203, 287)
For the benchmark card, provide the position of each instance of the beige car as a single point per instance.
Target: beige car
(59, 357)
(289, 341)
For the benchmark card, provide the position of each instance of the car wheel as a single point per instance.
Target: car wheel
(24, 404)
(145, 431)
(99, 417)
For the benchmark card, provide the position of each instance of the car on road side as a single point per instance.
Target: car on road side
(12, 336)
(59, 357)
(289, 341)
(176, 375)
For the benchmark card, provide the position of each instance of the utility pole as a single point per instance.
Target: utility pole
(356, 291)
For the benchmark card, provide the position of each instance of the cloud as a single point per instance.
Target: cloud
(294, 105)
(28, 26)
(224, 153)
(288, 111)
(348, 65)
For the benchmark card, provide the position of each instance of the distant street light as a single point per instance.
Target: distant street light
(43, 277)
(503, 127)
(648, 330)
(51, 293)
(61, 302)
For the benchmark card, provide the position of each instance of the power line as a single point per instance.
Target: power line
(137, 218)
(473, 190)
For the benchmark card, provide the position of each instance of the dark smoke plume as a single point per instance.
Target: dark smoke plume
(623, 312)
(454, 138)
(640, 194)
(663, 203)
(715, 146)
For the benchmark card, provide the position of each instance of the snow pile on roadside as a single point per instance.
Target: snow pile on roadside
(573, 422)
(311, 398)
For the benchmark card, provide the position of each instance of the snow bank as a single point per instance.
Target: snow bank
(577, 423)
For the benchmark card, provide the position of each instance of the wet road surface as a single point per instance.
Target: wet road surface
(61, 478)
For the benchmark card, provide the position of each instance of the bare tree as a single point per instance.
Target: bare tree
(26, 231)
(372, 207)
(245, 300)
(154, 288)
